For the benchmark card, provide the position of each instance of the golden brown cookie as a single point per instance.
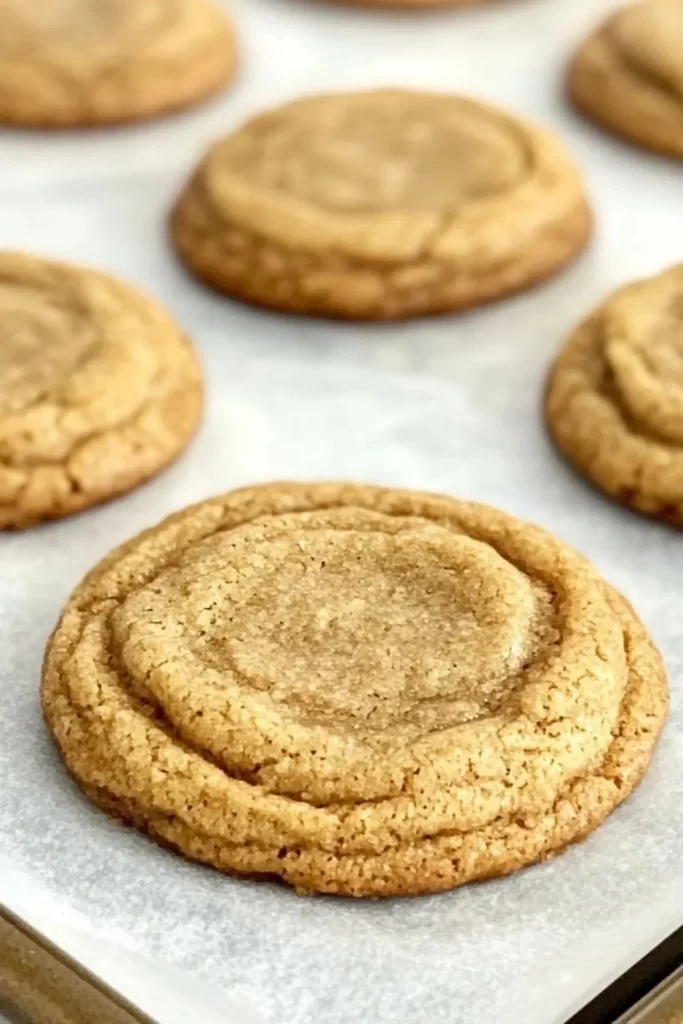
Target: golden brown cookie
(84, 62)
(614, 403)
(360, 690)
(628, 75)
(379, 205)
(99, 389)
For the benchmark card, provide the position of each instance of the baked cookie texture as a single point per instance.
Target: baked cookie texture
(360, 690)
(99, 389)
(381, 204)
(628, 75)
(614, 401)
(70, 63)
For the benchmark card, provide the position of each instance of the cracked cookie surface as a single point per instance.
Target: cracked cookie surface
(360, 690)
(628, 75)
(67, 63)
(383, 204)
(99, 389)
(614, 402)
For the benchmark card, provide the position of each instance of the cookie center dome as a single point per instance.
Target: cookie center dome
(41, 344)
(364, 627)
(644, 351)
(383, 150)
(359, 630)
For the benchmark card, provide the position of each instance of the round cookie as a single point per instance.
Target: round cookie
(381, 205)
(99, 389)
(359, 690)
(66, 63)
(628, 75)
(614, 402)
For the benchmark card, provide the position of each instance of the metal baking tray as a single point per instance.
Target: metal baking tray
(41, 985)
(649, 992)
(664, 1005)
(449, 404)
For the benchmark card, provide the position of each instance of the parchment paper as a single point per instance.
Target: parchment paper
(447, 404)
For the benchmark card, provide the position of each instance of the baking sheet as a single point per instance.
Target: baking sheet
(448, 404)
(663, 1006)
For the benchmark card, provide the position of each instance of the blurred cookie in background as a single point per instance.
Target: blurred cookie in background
(379, 205)
(614, 403)
(70, 63)
(628, 75)
(99, 389)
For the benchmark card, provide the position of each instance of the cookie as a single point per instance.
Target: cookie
(614, 402)
(66, 63)
(358, 690)
(99, 389)
(381, 205)
(628, 75)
